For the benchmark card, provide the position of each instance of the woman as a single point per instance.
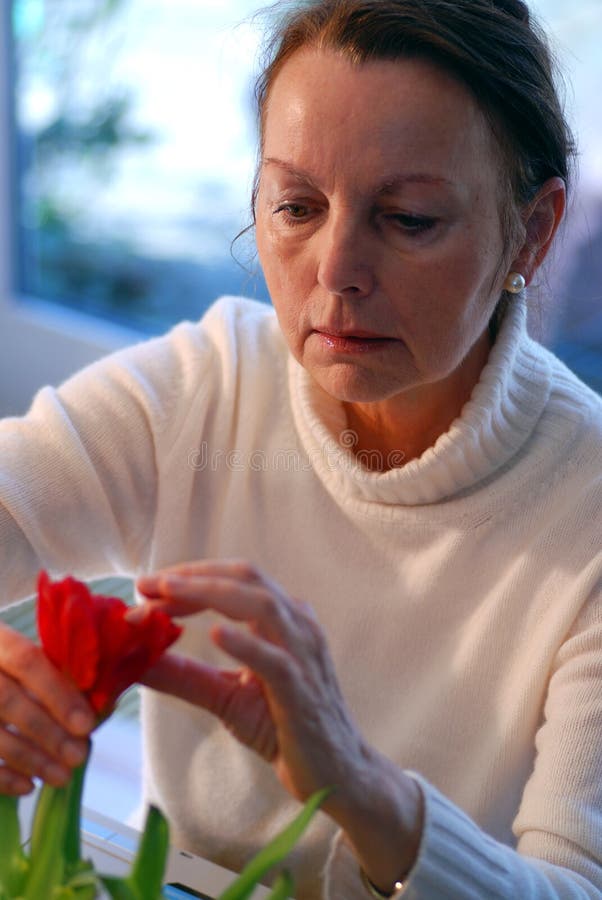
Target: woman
(393, 450)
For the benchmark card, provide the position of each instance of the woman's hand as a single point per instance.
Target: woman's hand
(285, 703)
(44, 720)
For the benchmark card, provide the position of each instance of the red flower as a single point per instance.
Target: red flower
(92, 640)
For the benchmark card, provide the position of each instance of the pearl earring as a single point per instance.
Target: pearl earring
(515, 283)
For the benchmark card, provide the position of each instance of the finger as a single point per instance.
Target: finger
(255, 603)
(22, 758)
(14, 784)
(231, 568)
(190, 680)
(22, 713)
(185, 595)
(237, 698)
(299, 690)
(248, 717)
(271, 663)
(238, 570)
(27, 664)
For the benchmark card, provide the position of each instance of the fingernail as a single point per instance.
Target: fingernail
(72, 753)
(146, 582)
(137, 614)
(175, 580)
(18, 785)
(80, 721)
(55, 774)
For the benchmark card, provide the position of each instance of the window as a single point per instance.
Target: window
(134, 151)
(573, 312)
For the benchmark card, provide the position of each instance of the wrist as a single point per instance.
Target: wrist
(380, 810)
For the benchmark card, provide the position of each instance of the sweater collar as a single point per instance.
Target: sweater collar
(493, 425)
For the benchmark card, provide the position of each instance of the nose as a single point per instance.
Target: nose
(344, 267)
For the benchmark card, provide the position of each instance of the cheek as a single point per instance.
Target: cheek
(272, 255)
(466, 276)
(286, 267)
(285, 287)
(451, 308)
(262, 242)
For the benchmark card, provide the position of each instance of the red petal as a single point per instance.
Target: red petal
(48, 619)
(80, 644)
(91, 639)
(67, 628)
(116, 639)
(135, 647)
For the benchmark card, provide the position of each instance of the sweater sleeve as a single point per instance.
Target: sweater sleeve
(79, 474)
(559, 824)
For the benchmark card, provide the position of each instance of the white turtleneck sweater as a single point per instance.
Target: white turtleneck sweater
(460, 593)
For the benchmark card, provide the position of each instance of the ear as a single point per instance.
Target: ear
(541, 219)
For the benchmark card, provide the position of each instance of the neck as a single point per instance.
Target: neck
(392, 432)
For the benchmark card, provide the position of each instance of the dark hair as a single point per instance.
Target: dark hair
(493, 46)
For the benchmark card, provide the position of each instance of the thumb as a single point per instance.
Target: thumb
(192, 681)
(235, 697)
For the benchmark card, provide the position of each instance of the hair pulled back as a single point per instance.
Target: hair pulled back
(493, 46)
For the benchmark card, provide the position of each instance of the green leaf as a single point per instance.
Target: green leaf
(13, 862)
(118, 888)
(146, 877)
(47, 862)
(283, 887)
(275, 851)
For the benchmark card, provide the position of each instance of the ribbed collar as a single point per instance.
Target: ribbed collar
(493, 425)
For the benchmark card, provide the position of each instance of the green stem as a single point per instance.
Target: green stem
(47, 855)
(73, 826)
(13, 863)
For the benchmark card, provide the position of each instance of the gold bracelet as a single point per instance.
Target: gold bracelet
(375, 892)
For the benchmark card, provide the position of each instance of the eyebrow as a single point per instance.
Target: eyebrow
(389, 186)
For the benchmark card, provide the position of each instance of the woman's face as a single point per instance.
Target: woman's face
(378, 222)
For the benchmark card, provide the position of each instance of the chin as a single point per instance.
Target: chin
(357, 387)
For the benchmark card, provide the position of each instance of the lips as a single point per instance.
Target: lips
(357, 333)
(351, 341)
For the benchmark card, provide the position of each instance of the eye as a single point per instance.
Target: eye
(293, 213)
(411, 224)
